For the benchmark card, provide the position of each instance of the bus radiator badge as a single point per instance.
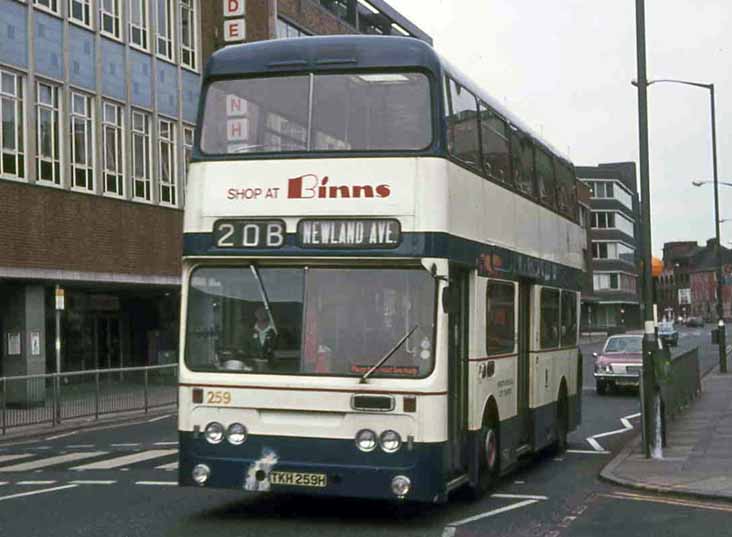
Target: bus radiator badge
(258, 474)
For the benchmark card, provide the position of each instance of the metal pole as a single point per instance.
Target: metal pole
(5, 391)
(720, 297)
(58, 360)
(649, 337)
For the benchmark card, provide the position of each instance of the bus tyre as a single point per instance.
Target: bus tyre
(489, 458)
(562, 426)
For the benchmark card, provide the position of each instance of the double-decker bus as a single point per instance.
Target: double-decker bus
(380, 277)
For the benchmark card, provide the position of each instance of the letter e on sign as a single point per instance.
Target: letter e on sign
(234, 30)
(234, 8)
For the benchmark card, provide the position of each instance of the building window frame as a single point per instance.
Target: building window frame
(81, 119)
(188, 10)
(50, 6)
(12, 151)
(166, 39)
(187, 144)
(141, 142)
(288, 30)
(85, 12)
(139, 27)
(110, 18)
(113, 163)
(167, 165)
(49, 159)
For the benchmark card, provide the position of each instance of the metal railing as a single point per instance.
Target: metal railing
(679, 379)
(57, 397)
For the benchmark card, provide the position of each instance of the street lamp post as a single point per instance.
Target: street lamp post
(718, 248)
(648, 383)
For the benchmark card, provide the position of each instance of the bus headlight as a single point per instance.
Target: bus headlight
(366, 440)
(390, 441)
(214, 433)
(400, 486)
(201, 473)
(236, 434)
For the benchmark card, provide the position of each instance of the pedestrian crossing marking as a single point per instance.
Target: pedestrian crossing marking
(118, 462)
(169, 466)
(51, 461)
(8, 458)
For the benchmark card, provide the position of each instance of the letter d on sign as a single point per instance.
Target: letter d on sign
(234, 8)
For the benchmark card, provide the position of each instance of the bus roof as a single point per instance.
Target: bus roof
(340, 52)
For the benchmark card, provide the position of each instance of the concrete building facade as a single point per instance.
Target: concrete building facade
(98, 103)
(615, 246)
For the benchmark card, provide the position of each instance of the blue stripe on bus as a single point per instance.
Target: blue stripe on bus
(349, 471)
(413, 244)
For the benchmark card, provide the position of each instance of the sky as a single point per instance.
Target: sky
(565, 67)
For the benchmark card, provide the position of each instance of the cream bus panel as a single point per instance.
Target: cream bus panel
(414, 190)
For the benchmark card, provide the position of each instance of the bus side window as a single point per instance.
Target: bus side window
(549, 322)
(545, 177)
(569, 319)
(522, 162)
(494, 145)
(499, 318)
(462, 124)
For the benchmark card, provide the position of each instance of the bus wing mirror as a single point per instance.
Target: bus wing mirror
(450, 300)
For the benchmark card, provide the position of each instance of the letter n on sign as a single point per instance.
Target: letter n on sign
(234, 30)
(234, 8)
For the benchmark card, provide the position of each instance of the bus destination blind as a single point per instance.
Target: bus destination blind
(349, 233)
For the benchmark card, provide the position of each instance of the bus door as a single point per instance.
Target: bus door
(458, 370)
(524, 364)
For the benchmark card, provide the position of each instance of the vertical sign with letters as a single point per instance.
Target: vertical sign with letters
(235, 29)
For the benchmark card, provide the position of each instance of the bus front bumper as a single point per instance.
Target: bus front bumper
(317, 466)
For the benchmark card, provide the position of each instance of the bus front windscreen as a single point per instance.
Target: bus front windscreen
(318, 112)
(310, 321)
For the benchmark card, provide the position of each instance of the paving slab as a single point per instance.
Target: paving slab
(698, 459)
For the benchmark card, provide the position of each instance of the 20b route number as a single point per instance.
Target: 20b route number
(249, 233)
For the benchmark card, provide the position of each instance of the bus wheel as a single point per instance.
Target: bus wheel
(562, 425)
(490, 457)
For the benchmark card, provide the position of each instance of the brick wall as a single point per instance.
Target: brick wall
(311, 16)
(46, 228)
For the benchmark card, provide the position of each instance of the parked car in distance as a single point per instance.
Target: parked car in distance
(668, 333)
(619, 363)
(696, 322)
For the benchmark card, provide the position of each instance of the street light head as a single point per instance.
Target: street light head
(697, 183)
(634, 82)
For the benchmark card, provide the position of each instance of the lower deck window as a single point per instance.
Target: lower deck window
(318, 321)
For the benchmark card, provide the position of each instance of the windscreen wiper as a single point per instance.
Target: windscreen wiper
(265, 299)
(388, 355)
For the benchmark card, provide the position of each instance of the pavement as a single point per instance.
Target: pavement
(120, 480)
(698, 458)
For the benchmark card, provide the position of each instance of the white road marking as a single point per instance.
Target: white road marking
(3, 483)
(92, 482)
(519, 496)
(64, 435)
(125, 445)
(166, 443)
(157, 483)
(33, 492)
(495, 512)
(627, 426)
(77, 446)
(587, 452)
(118, 462)
(7, 458)
(519, 482)
(36, 483)
(43, 463)
(160, 418)
(169, 466)
(42, 447)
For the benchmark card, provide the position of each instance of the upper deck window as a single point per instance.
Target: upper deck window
(340, 112)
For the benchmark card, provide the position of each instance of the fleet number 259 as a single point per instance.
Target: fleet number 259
(218, 398)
